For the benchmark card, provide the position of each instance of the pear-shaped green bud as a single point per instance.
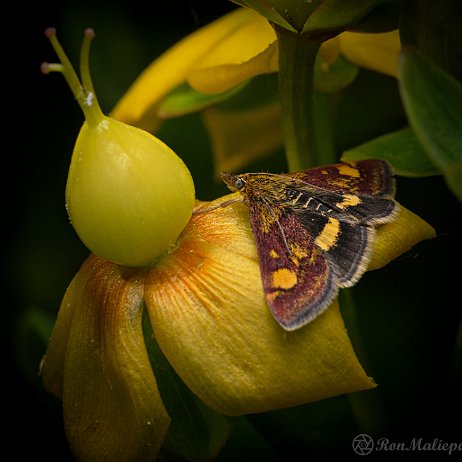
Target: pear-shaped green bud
(128, 195)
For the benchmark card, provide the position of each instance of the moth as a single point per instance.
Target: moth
(314, 231)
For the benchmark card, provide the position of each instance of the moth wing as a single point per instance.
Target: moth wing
(297, 277)
(371, 177)
(362, 208)
(318, 238)
(358, 191)
(346, 244)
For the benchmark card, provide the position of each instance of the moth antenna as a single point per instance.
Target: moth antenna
(218, 206)
(285, 178)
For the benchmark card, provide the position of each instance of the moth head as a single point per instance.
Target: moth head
(234, 182)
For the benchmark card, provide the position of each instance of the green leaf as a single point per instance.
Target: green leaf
(185, 100)
(267, 10)
(433, 102)
(337, 15)
(401, 148)
(256, 92)
(383, 18)
(196, 432)
(329, 78)
(31, 336)
(317, 17)
(434, 29)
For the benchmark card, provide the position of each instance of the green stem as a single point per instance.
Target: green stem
(297, 57)
(324, 129)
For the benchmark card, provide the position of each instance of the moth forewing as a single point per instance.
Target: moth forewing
(314, 231)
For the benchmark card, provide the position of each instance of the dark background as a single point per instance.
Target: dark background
(408, 332)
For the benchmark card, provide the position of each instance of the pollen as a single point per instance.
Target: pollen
(284, 279)
(89, 99)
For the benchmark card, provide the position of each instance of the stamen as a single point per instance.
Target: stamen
(46, 68)
(50, 31)
(81, 92)
(85, 62)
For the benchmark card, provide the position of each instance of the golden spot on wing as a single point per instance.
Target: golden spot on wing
(284, 278)
(348, 170)
(324, 172)
(329, 234)
(269, 218)
(266, 223)
(297, 252)
(342, 183)
(274, 254)
(349, 200)
(271, 296)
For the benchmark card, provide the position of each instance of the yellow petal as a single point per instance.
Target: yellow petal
(378, 52)
(211, 320)
(138, 105)
(397, 237)
(53, 363)
(230, 50)
(241, 136)
(221, 77)
(330, 50)
(112, 408)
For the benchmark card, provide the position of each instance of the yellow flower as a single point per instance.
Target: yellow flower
(220, 56)
(209, 317)
(202, 293)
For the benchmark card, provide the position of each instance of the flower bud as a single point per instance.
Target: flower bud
(128, 195)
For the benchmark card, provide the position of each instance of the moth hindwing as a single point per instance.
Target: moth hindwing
(314, 230)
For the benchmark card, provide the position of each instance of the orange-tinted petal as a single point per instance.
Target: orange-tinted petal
(112, 408)
(211, 320)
